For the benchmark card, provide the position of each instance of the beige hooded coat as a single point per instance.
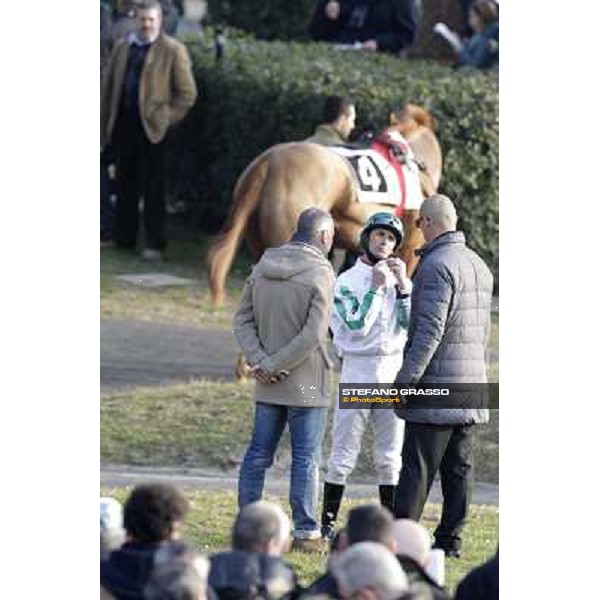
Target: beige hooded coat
(282, 323)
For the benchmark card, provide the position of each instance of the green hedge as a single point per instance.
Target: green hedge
(263, 93)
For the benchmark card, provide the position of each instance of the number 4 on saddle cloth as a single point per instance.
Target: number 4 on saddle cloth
(386, 172)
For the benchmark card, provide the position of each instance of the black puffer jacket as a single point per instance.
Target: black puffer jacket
(241, 575)
(449, 326)
(392, 23)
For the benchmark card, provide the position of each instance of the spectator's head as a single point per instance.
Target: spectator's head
(261, 527)
(112, 534)
(179, 580)
(371, 523)
(316, 227)
(369, 571)
(437, 216)
(482, 13)
(340, 112)
(412, 540)
(154, 513)
(148, 14)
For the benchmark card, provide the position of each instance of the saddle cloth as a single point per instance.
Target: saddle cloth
(382, 177)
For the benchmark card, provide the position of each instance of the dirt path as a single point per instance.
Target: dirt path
(276, 483)
(142, 353)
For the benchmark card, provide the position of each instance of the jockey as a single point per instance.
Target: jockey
(369, 324)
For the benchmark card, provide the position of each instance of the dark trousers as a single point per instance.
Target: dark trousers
(107, 210)
(141, 173)
(466, 30)
(427, 449)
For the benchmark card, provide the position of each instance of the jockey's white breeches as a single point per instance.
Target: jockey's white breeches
(349, 423)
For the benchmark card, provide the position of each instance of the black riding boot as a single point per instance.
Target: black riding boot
(386, 496)
(332, 498)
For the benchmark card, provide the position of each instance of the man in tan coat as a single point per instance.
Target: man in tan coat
(281, 326)
(148, 86)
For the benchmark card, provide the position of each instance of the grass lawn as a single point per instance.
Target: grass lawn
(188, 305)
(212, 513)
(208, 424)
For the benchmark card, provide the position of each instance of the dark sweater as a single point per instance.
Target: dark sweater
(131, 81)
(325, 586)
(482, 583)
(238, 575)
(127, 570)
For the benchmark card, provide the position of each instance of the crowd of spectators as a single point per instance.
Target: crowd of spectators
(378, 25)
(144, 556)
(392, 26)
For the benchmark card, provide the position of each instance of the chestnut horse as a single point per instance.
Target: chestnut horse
(288, 178)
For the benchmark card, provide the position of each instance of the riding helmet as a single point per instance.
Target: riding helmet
(382, 220)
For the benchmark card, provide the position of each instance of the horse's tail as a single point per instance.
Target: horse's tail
(222, 248)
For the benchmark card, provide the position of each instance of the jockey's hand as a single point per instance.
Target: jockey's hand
(332, 10)
(398, 267)
(380, 275)
(370, 45)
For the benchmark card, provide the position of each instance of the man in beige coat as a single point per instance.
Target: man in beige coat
(281, 326)
(148, 86)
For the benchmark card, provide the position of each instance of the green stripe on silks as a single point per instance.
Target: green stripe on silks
(401, 315)
(348, 295)
(358, 321)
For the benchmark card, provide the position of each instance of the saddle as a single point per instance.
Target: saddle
(386, 171)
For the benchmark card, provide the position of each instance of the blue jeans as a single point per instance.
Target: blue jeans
(307, 427)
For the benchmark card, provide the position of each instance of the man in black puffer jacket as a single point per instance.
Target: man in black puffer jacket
(447, 337)
(254, 568)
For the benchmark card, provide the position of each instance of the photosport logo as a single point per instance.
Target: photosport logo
(419, 396)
